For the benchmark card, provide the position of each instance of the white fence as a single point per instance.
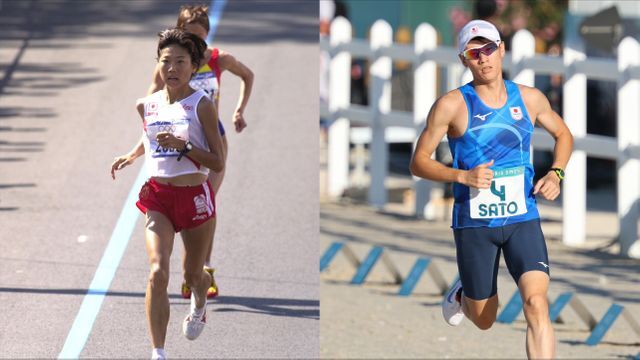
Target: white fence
(522, 63)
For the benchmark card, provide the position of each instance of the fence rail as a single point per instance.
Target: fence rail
(384, 125)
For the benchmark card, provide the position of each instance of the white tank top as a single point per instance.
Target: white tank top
(179, 118)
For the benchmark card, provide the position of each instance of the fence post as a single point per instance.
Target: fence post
(380, 100)
(424, 95)
(574, 187)
(339, 98)
(524, 46)
(628, 135)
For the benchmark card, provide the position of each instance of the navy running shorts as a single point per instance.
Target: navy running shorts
(478, 254)
(221, 128)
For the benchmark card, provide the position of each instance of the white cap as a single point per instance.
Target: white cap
(474, 29)
(327, 10)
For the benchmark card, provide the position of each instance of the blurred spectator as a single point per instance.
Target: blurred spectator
(554, 91)
(459, 18)
(486, 10)
(402, 80)
(327, 12)
(359, 75)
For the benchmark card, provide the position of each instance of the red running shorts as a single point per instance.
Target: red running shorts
(185, 206)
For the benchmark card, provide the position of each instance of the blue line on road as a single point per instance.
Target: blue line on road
(214, 18)
(92, 302)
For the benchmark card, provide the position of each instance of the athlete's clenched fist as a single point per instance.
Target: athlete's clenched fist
(479, 177)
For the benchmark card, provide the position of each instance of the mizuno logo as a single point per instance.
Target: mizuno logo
(543, 264)
(483, 117)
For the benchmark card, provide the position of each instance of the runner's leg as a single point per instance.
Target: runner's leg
(481, 312)
(533, 287)
(478, 257)
(195, 243)
(159, 235)
(525, 254)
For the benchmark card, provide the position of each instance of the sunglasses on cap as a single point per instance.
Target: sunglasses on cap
(474, 54)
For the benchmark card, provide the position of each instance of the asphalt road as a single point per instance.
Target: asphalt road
(70, 73)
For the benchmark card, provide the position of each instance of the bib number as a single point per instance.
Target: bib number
(504, 198)
(179, 129)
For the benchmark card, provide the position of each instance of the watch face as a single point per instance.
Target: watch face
(560, 173)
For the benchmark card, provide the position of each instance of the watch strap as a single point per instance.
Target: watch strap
(184, 150)
(559, 172)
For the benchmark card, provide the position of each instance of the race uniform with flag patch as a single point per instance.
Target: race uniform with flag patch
(504, 217)
(503, 135)
(185, 206)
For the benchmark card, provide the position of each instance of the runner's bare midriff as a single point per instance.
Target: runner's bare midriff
(182, 180)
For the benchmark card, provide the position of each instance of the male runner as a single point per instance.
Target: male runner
(489, 123)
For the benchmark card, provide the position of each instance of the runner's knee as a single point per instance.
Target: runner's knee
(484, 320)
(484, 323)
(536, 307)
(193, 278)
(158, 277)
(483, 315)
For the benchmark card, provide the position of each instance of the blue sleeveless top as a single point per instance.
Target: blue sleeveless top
(503, 135)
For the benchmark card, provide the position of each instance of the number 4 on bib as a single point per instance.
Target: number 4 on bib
(505, 197)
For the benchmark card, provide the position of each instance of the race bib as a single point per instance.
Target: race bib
(505, 198)
(205, 81)
(179, 129)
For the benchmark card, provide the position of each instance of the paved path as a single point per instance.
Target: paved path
(370, 321)
(69, 78)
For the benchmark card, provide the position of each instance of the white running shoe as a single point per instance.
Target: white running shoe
(194, 324)
(451, 308)
(158, 354)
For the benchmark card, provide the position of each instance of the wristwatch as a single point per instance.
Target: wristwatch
(558, 172)
(187, 147)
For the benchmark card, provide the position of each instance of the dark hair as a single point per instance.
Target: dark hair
(485, 8)
(194, 45)
(193, 14)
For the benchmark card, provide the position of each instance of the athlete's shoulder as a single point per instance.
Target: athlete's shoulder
(446, 108)
(529, 92)
(150, 97)
(204, 102)
(140, 105)
(225, 59)
(140, 102)
(451, 101)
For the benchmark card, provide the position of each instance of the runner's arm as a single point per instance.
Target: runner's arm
(422, 165)
(228, 62)
(213, 159)
(138, 150)
(549, 185)
(555, 126)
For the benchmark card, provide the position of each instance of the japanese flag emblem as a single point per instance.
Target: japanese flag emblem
(516, 113)
(152, 109)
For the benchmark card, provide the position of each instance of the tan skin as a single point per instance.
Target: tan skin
(226, 62)
(175, 68)
(449, 116)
